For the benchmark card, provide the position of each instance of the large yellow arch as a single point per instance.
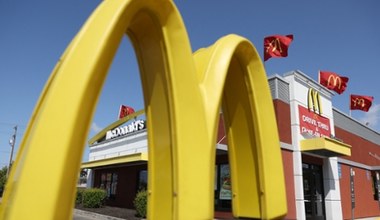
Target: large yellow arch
(43, 178)
(231, 72)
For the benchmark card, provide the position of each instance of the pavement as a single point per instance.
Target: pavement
(85, 215)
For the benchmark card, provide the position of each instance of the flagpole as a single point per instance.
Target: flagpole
(265, 68)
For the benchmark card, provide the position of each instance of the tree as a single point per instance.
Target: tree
(3, 179)
(83, 177)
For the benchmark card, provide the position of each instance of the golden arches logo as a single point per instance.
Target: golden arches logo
(359, 102)
(334, 81)
(314, 101)
(274, 45)
(228, 74)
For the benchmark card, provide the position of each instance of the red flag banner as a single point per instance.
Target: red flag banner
(333, 81)
(276, 46)
(360, 102)
(125, 110)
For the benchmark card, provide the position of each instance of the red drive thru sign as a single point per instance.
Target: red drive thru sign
(313, 123)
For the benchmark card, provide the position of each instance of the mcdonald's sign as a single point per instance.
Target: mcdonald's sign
(314, 101)
(228, 75)
(333, 81)
(276, 46)
(360, 102)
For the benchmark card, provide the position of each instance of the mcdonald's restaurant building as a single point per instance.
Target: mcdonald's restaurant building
(331, 161)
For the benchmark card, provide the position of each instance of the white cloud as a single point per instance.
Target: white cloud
(372, 117)
(95, 128)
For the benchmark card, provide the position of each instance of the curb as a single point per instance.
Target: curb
(94, 215)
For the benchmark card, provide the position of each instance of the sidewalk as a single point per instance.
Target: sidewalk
(82, 215)
(87, 215)
(106, 212)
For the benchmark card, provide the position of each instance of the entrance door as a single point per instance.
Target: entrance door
(313, 192)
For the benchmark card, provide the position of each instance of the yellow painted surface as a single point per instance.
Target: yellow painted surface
(182, 97)
(328, 144)
(115, 160)
(231, 73)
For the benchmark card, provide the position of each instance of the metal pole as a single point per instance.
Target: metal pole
(352, 183)
(12, 142)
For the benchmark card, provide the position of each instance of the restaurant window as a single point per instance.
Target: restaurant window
(108, 182)
(223, 187)
(225, 182)
(376, 185)
(143, 180)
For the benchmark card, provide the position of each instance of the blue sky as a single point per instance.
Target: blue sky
(339, 36)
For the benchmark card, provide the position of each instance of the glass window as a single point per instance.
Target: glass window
(108, 182)
(376, 185)
(114, 184)
(225, 182)
(223, 190)
(143, 180)
(103, 181)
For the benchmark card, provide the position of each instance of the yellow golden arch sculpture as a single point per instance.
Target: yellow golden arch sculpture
(183, 95)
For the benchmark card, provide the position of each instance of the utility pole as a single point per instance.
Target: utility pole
(12, 142)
